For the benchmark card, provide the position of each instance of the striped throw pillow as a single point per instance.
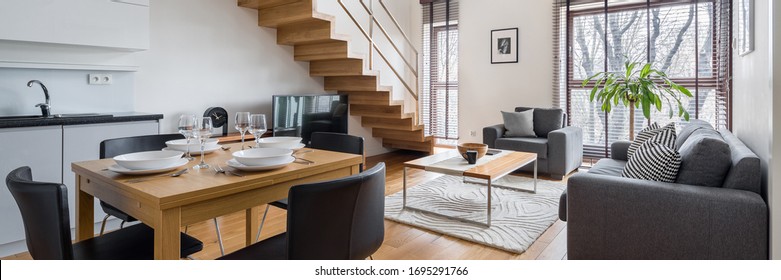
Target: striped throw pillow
(641, 137)
(656, 159)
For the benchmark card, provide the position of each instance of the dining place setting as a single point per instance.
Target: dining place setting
(266, 154)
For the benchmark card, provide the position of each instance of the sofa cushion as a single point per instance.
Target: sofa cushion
(545, 120)
(641, 137)
(519, 124)
(525, 144)
(687, 130)
(655, 160)
(610, 167)
(745, 172)
(705, 158)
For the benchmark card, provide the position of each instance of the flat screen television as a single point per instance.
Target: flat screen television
(302, 115)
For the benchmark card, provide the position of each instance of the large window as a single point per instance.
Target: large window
(439, 93)
(688, 40)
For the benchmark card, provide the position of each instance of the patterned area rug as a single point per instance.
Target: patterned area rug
(518, 218)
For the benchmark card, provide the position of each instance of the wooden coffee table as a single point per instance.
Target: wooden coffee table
(489, 168)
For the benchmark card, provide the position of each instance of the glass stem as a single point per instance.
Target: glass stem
(242, 139)
(203, 143)
(188, 149)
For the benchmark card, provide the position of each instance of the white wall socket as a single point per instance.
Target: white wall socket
(473, 133)
(100, 79)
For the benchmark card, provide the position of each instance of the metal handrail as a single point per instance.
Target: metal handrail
(393, 44)
(380, 52)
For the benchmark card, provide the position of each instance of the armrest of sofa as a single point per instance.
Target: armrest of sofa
(619, 149)
(491, 133)
(619, 218)
(565, 150)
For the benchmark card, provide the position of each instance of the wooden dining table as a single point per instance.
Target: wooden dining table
(166, 203)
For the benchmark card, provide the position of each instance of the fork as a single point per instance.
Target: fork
(219, 169)
(175, 174)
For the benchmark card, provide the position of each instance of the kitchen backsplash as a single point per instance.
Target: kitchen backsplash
(68, 89)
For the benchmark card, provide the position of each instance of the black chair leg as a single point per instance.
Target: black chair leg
(103, 225)
(262, 221)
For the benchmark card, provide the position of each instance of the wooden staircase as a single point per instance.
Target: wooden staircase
(314, 40)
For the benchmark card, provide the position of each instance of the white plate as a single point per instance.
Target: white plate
(298, 146)
(207, 150)
(283, 142)
(148, 160)
(235, 164)
(121, 170)
(181, 144)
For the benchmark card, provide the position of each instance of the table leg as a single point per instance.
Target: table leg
(252, 224)
(535, 176)
(167, 237)
(404, 188)
(489, 203)
(85, 211)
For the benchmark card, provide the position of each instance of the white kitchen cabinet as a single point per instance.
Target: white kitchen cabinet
(82, 143)
(40, 148)
(49, 151)
(121, 24)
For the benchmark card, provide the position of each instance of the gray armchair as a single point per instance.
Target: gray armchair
(559, 148)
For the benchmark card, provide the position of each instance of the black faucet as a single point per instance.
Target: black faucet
(45, 107)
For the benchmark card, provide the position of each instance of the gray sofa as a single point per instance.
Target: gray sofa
(559, 148)
(612, 217)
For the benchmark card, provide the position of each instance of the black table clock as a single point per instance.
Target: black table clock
(219, 118)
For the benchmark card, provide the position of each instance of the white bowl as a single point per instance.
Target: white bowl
(181, 144)
(148, 160)
(262, 156)
(279, 142)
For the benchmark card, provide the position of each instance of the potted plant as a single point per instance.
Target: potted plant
(644, 88)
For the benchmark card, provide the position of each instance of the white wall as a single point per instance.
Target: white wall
(753, 101)
(68, 90)
(206, 53)
(485, 88)
(774, 192)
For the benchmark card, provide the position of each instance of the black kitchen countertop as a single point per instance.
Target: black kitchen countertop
(71, 120)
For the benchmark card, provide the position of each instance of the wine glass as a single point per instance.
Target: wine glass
(257, 126)
(202, 132)
(242, 125)
(186, 127)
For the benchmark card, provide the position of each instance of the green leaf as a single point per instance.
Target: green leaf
(646, 107)
(646, 70)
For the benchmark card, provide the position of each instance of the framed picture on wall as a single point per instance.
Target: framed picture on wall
(504, 45)
(745, 27)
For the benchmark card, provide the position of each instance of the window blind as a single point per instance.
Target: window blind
(439, 79)
(689, 40)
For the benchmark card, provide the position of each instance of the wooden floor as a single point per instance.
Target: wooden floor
(402, 242)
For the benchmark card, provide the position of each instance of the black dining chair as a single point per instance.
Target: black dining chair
(114, 147)
(44, 209)
(333, 220)
(337, 142)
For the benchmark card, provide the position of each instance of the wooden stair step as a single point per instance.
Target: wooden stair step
(406, 124)
(381, 98)
(334, 49)
(263, 4)
(377, 111)
(352, 83)
(425, 146)
(312, 31)
(277, 16)
(411, 136)
(336, 67)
